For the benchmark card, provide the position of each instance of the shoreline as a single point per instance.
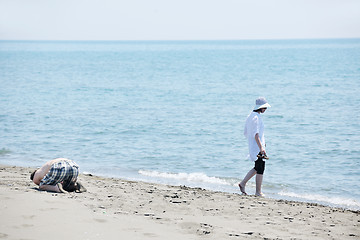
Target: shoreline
(114, 207)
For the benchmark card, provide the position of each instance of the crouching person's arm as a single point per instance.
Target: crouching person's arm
(52, 188)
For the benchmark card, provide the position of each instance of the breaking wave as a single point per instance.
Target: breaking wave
(332, 201)
(188, 177)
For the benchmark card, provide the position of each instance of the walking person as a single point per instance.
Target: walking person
(254, 132)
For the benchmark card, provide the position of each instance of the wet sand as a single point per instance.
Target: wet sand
(119, 209)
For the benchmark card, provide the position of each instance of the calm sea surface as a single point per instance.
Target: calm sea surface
(174, 112)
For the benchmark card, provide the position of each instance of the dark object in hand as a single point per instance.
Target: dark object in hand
(262, 156)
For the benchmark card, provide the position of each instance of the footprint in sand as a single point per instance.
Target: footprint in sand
(100, 220)
(3, 235)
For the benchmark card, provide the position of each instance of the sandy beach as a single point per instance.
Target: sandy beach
(119, 209)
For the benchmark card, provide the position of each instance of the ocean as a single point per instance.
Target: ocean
(173, 112)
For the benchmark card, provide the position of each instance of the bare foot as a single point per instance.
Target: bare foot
(242, 189)
(259, 194)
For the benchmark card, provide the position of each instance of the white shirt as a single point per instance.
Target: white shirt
(254, 125)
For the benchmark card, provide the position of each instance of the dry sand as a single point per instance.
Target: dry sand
(119, 209)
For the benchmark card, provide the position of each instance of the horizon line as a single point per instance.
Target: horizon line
(175, 40)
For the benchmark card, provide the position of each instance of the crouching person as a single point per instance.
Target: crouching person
(58, 175)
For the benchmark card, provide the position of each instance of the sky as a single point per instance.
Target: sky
(178, 19)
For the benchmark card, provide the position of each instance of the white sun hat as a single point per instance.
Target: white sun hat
(261, 103)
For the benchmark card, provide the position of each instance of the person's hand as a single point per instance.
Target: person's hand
(262, 151)
(60, 188)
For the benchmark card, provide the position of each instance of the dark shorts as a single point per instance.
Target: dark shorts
(259, 166)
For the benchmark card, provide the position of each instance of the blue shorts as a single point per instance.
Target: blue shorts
(65, 171)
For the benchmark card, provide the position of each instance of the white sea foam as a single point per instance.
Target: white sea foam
(336, 201)
(188, 177)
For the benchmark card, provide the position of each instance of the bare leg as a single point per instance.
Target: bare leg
(259, 179)
(248, 176)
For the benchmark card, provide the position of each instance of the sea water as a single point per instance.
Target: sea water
(173, 112)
